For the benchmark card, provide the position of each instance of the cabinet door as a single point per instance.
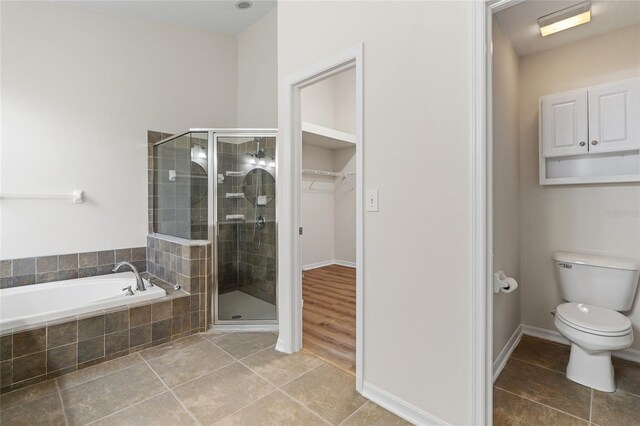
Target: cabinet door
(564, 124)
(614, 117)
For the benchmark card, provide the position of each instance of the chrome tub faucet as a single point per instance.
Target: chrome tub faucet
(139, 282)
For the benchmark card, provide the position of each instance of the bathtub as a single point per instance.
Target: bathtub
(34, 304)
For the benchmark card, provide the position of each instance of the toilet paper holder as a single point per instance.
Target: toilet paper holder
(502, 283)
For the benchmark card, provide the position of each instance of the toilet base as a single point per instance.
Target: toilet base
(591, 369)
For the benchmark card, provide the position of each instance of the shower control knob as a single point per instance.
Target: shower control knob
(583, 143)
(594, 142)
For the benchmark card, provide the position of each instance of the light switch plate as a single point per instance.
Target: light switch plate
(372, 200)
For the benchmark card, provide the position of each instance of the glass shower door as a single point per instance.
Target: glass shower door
(245, 223)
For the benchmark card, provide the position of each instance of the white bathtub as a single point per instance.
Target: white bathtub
(34, 304)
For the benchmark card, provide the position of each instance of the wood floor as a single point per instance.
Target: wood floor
(329, 315)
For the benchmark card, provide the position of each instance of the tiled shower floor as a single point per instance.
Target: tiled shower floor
(203, 379)
(533, 390)
(245, 305)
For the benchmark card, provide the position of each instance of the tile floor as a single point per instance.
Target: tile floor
(205, 379)
(533, 390)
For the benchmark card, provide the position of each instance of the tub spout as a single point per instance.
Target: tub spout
(139, 282)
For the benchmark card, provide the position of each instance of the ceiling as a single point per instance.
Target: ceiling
(520, 22)
(220, 15)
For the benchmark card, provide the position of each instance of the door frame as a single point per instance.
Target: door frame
(216, 322)
(482, 208)
(290, 162)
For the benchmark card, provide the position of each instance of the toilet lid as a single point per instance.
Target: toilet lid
(593, 318)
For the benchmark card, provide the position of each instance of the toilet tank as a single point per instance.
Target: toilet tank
(597, 280)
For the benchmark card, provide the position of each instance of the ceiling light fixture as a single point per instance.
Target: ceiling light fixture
(564, 19)
(244, 5)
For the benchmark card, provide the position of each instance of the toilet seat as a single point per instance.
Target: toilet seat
(593, 319)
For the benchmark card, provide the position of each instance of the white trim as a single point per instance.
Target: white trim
(345, 263)
(543, 333)
(401, 408)
(482, 209)
(506, 352)
(481, 291)
(317, 265)
(324, 263)
(289, 162)
(554, 336)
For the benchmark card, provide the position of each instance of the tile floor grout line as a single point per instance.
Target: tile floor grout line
(279, 388)
(101, 376)
(64, 411)
(591, 406)
(284, 384)
(31, 400)
(350, 415)
(305, 407)
(256, 353)
(203, 375)
(184, 347)
(172, 393)
(245, 406)
(536, 365)
(123, 409)
(540, 403)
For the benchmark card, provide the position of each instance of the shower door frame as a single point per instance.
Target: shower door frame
(213, 135)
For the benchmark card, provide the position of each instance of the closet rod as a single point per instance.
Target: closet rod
(326, 173)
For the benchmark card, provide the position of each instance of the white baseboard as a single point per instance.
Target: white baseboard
(544, 334)
(552, 335)
(344, 263)
(399, 407)
(327, 263)
(317, 265)
(506, 352)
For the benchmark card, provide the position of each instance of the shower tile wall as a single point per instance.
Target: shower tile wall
(243, 265)
(178, 206)
(172, 214)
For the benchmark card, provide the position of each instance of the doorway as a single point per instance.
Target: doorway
(290, 250)
(328, 219)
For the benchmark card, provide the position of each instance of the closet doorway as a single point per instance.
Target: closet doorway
(328, 219)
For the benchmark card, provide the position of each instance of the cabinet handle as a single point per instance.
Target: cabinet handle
(582, 143)
(594, 142)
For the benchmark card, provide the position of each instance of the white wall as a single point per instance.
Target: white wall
(344, 213)
(572, 217)
(258, 74)
(417, 338)
(506, 185)
(317, 208)
(80, 89)
(317, 103)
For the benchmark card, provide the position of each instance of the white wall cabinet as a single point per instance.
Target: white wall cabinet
(564, 124)
(614, 117)
(591, 135)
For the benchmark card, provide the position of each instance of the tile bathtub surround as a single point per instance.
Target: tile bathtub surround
(211, 386)
(44, 269)
(178, 263)
(533, 389)
(60, 347)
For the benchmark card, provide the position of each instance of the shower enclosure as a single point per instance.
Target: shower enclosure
(220, 185)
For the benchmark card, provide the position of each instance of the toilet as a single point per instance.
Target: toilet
(596, 289)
